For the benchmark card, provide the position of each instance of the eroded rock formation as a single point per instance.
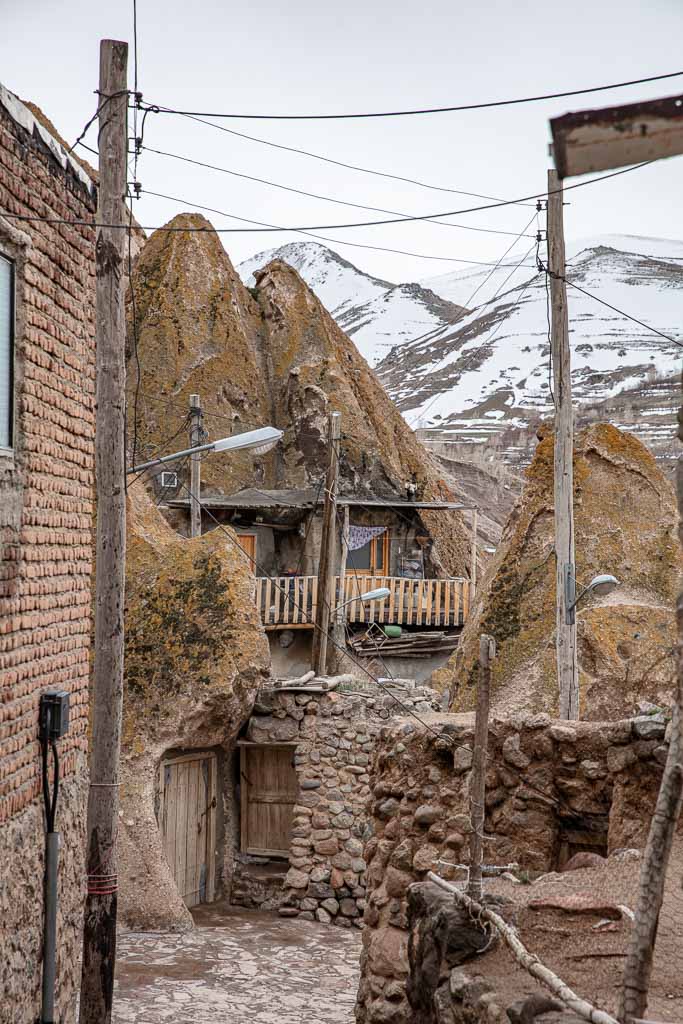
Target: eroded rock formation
(195, 656)
(270, 354)
(625, 522)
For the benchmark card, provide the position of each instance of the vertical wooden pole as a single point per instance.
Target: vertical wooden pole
(195, 466)
(99, 929)
(338, 630)
(487, 650)
(638, 966)
(326, 572)
(567, 670)
(473, 570)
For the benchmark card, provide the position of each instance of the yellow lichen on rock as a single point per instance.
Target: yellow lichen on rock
(625, 524)
(196, 653)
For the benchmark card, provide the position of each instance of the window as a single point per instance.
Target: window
(6, 353)
(372, 559)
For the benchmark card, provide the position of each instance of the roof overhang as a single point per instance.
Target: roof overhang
(609, 137)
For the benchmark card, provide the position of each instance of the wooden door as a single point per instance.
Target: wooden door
(268, 792)
(187, 820)
(247, 541)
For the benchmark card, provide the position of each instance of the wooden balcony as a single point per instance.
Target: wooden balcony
(289, 602)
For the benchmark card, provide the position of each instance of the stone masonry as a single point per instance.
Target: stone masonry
(335, 734)
(46, 506)
(547, 783)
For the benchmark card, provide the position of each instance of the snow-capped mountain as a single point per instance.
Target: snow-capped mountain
(494, 367)
(377, 314)
(472, 376)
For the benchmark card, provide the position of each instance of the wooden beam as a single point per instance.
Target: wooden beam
(599, 140)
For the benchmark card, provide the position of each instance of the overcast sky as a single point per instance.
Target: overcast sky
(312, 57)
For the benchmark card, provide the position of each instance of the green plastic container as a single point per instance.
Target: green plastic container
(392, 631)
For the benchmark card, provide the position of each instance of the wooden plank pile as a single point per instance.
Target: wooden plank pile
(408, 645)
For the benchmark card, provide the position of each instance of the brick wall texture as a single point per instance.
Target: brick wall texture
(46, 556)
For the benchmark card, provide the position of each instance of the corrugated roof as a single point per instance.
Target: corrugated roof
(254, 498)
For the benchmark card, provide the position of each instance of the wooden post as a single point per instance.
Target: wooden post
(195, 466)
(473, 569)
(487, 651)
(99, 927)
(326, 573)
(638, 966)
(338, 630)
(567, 670)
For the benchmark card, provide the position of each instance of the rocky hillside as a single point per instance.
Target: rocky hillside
(625, 523)
(377, 314)
(483, 377)
(493, 372)
(271, 354)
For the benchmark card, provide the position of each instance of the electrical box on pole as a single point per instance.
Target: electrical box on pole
(567, 669)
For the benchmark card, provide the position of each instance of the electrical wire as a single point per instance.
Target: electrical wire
(341, 163)
(100, 108)
(312, 195)
(326, 238)
(426, 110)
(621, 312)
(467, 312)
(336, 227)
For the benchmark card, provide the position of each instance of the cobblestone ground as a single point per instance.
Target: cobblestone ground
(238, 967)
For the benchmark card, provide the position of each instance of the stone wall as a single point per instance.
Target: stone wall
(46, 490)
(551, 788)
(335, 736)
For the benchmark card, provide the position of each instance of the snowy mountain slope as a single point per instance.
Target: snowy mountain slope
(492, 371)
(475, 376)
(376, 314)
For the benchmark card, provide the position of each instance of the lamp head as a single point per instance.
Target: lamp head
(603, 584)
(375, 595)
(258, 441)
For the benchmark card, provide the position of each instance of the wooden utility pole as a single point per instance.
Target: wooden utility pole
(473, 570)
(338, 629)
(99, 927)
(487, 651)
(195, 466)
(567, 669)
(326, 564)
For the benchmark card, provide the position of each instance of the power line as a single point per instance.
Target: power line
(325, 238)
(340, 163)
(313, 195)
(621, 312)
(490, 337)
(425, 110)
(336, 227)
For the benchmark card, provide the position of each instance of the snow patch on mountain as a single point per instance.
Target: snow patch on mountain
(375, 313)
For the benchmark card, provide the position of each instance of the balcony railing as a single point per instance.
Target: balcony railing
(289, 602)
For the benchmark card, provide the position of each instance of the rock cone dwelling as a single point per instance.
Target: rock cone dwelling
(272, 354)
(47, 389)
(269, 809)
(625, 523)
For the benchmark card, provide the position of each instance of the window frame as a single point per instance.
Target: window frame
(8, 451)
(383, 539)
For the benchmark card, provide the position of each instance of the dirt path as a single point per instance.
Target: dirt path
(239, 966)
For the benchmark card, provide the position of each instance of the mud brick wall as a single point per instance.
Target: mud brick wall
(546, 782)
(46, 507)
(335, 735)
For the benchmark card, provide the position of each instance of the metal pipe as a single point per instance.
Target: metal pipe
(47, 1005)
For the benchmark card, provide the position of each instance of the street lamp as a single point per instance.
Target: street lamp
(369, 595)
(601, 584)
(257, 441)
